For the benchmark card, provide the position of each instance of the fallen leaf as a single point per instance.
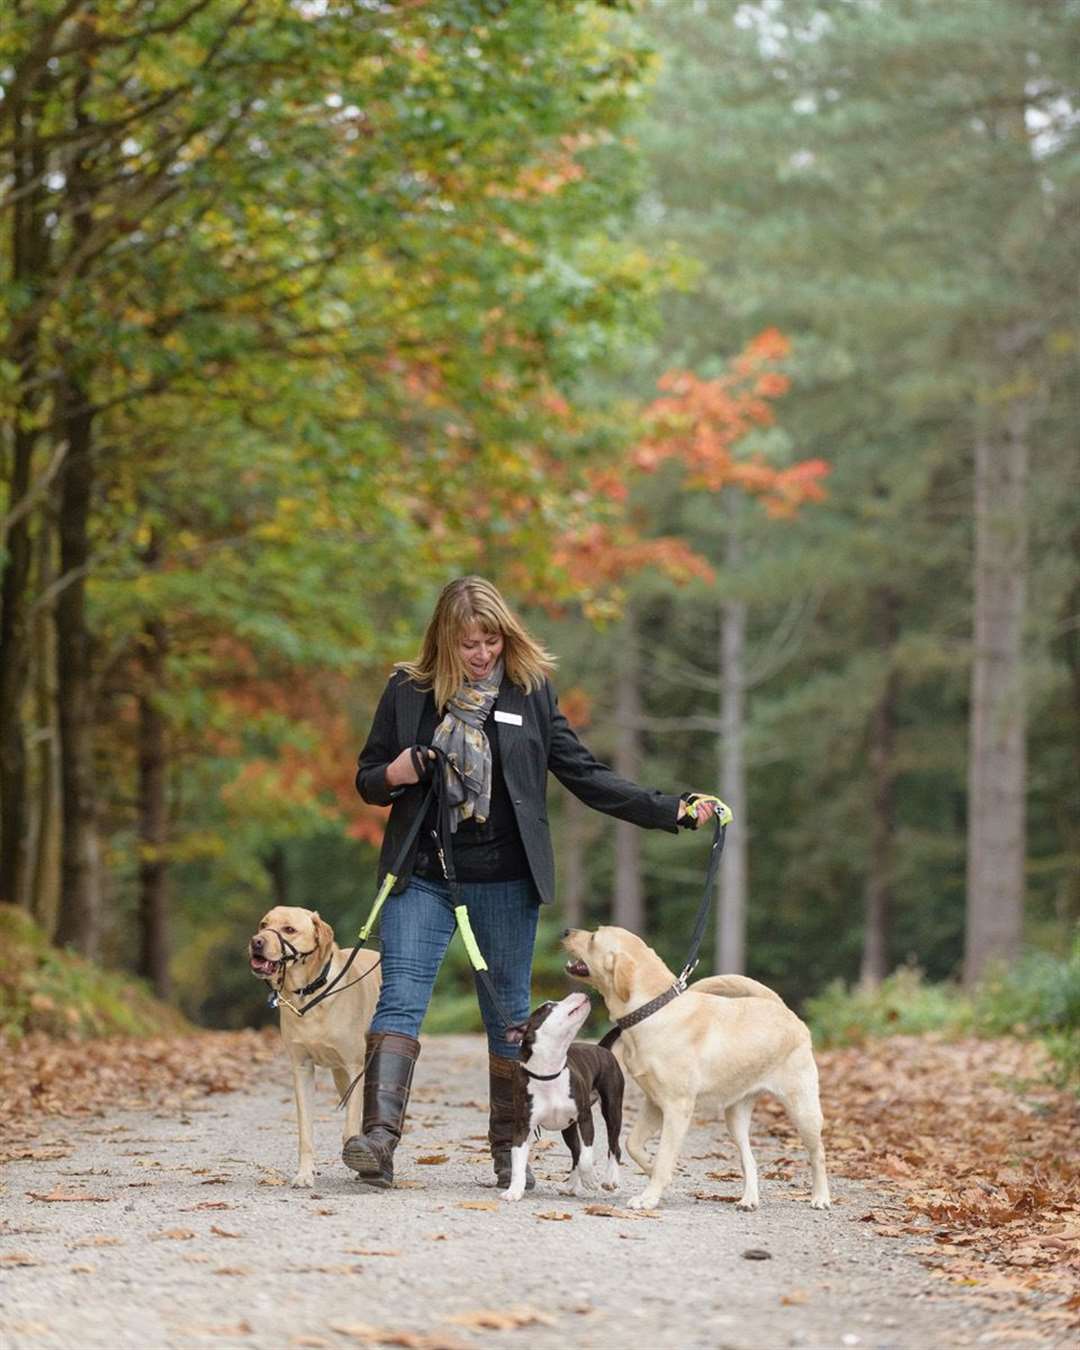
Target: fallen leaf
(207, 1204)
(478, 1204)
(488, 1319)
(223, 1232)
(232, 1270)
(309, 1340)
(56, 1194)
(369, 1251)
(795, 1298)
(556, 1215)
(18, 1259)
(757, 1254)
(83, 1270)
(224, 1329)
(173, 1235)
(431, 1159)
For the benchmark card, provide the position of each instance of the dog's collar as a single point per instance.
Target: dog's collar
(647, 1009)
(541, 1077)
(318, 982)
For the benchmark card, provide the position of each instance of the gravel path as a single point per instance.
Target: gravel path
(197, 1240)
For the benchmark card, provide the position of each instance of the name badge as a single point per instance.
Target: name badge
(513, 718)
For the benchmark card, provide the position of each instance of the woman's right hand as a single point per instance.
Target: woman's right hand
(401, 772)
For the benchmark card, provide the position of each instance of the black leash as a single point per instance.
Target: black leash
(384, 890)
(443, 837)
(721, 820)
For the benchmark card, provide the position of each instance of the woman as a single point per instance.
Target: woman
(479, 691)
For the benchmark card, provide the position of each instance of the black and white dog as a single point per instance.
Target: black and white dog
(562, 1082)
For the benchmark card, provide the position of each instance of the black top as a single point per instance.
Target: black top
(492, 851)
(532, 737)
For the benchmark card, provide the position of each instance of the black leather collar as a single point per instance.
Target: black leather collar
(316, 983)
(647, 1009)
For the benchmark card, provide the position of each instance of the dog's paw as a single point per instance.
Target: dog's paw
(822, 1202)
(511, 1194)
(611, 1181)
(747, 1205)
(643, 1201)
(305, 1177)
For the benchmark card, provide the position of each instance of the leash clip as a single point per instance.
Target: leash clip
(687, 971)
(273, 999)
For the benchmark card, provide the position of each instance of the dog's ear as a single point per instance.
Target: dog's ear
(620, 968)
(324, 934)
(516, 1034)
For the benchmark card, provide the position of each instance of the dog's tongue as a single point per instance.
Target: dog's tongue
(261, 966)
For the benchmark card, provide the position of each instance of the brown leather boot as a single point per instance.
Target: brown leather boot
(388, 1071)
(508, 1103)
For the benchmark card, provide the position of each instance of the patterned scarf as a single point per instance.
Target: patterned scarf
(461, 738)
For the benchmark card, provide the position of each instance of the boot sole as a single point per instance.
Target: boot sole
(363, 1161)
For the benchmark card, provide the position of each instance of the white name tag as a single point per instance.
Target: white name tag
(513, 718)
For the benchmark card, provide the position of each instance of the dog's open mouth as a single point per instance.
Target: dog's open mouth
(578, 969)
(261, 966)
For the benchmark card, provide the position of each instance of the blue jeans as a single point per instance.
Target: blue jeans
(416, 927)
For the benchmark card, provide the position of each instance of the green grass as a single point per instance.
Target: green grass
(44, 989)
(1038, 995)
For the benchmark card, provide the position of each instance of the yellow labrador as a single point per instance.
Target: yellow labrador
(727, 1036)
(290, 950)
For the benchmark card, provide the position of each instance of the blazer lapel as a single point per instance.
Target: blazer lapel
(510, 700)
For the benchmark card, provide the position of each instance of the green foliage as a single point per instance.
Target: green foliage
(1039, 995)
(46, 990)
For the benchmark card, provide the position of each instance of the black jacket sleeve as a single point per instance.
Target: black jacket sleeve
(380, 748)
(577, 768)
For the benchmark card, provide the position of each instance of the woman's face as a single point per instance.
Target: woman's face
(480, 650)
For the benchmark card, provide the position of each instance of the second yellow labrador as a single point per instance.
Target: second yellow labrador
(728, 1037)
(292, 948)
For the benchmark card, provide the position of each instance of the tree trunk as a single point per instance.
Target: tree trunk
(879, 881)
(276, 864)
(29, 254)
(996, 768)
(79, 923)
(153, 810)
(730, 957)
(575, 838)
(45, 883)
(629, 904)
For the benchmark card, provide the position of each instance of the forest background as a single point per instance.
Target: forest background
(738, 343)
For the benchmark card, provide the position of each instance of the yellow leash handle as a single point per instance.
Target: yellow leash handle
(723, 811)
(476, 956)
(380, 900)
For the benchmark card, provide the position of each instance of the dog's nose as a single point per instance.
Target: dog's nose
(566, 932)
(256, 945)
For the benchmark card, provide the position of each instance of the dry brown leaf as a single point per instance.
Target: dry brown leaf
(555, 1215)
(243, 1328)
(207, 1204)
(795, 1298)
(18, 1259)
(314, 1341)
(83, 1270)
(478, 1204)
(489, 1319)
(98, 1240)
(432, 1159)
(57, 1195)
(369, 1251)
(173, 1235)
(232, 1270)
(223, 1232)
(358, 1331)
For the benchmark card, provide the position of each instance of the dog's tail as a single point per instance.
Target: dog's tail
(734, 986)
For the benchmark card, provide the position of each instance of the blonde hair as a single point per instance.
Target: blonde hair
(462, 603)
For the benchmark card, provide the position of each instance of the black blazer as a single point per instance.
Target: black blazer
(543, 741)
